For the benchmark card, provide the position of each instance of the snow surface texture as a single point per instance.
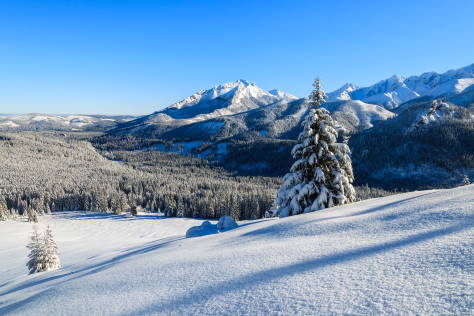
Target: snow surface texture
(411, 253)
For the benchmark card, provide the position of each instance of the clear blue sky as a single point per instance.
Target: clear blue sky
(135, 57)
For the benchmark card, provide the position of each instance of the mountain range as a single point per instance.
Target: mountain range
(392, 126)
(396, 90)
(240, 108)
(37, 121)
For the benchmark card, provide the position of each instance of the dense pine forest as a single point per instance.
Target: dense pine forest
(58, 172)
(44, 172)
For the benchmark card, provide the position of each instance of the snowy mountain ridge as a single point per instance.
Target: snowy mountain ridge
(396, 90)
(225, 99)
(233, 92)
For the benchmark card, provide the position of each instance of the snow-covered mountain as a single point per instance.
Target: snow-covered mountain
(409, 253)
(226, 99)
(396, 90)
(223, 100)
(37, 121)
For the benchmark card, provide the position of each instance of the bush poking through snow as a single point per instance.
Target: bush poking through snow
(206, 228)
(226, 222)
(44, 255)
(466, 180)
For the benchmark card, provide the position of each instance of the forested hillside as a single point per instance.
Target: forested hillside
(428, 145)
(48, 172)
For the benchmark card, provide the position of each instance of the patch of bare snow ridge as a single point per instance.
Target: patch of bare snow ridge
(411, 253)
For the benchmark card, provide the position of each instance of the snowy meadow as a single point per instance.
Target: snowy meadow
(404, 254)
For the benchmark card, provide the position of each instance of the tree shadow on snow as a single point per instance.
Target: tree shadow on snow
(282, 225)
(201, 295)
(121, 217)
(86, 271)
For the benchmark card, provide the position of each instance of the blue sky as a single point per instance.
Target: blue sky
(135, 57)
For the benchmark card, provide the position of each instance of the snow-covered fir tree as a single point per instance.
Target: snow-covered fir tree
(44, 255)
(51, 254)
(322, 174)
(36, 254)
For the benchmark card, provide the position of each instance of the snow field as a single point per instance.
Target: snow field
(411, 253)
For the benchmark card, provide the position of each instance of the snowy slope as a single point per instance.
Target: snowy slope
(354, 115)
(411, 253)
(396, 90)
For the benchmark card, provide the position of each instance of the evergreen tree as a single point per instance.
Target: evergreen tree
(234, 209)
(123, 205)
(51, 255)
(322, 175)
(346, 166)
(36, 252)
(32, 215)
(43, 254)
(134, 210)
(4, 214)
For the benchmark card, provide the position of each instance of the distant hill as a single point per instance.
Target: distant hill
(42, 122)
